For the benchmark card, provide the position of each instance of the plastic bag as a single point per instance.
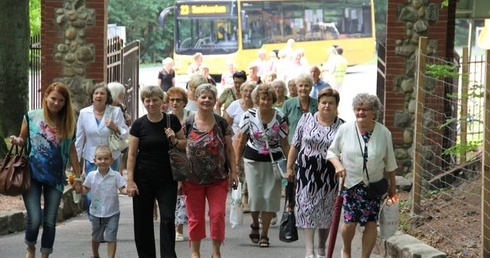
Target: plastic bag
(236, 210)
(389, 217)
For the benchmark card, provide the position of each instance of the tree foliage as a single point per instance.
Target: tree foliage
(140, 19)
(380, 12)
(35, 16)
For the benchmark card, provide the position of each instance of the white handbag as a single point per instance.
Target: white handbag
(116, 142)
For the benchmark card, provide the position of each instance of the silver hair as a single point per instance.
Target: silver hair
(116, 89)
(304, 78)
(372, 102)
(279, 82)
(250, 84)
(206, 87)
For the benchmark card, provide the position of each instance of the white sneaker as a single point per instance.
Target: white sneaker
(310, 256)
(179, 237)
(320, 256)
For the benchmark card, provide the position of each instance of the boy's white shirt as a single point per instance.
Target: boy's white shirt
(105, 192)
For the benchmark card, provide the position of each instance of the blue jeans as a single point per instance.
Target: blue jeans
(36, 216)
(89, 167)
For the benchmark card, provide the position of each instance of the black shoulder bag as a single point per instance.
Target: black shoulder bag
(179, 163)
(287, 229)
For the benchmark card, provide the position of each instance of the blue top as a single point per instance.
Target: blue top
(48, 154)
(317, 87)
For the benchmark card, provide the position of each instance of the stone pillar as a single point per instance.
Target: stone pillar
(74, 42)
(407, 20)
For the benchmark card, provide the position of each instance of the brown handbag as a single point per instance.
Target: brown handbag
(15, 176)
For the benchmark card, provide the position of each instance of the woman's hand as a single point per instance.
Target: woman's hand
(290, 174)
(132, 188)
(340, 172)
(77, 185)
(170, 133)
(109, 122)
(17, 140)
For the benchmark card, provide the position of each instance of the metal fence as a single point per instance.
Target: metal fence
(122, 66)
(35, 72)
(455, 189)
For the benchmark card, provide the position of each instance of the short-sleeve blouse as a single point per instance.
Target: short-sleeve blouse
(206, 152)
(274, 131)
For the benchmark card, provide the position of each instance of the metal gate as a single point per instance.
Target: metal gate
(35, 72)
(123, 67)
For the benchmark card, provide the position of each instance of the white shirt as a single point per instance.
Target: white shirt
(90, 134)
(104, 190)
(381, 156)
(235, 111)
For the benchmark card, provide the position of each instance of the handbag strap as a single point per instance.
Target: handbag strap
(167, 116)
(364, 163)
(27, 146)
(289, 200)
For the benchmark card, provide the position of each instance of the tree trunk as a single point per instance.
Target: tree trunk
(14, 60)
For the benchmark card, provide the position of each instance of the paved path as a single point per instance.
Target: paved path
(73, 241)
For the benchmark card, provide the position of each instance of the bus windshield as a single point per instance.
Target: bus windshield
(208, 36)
(206, 27)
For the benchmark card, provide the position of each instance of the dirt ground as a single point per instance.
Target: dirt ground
(450, 220)
(457, 234)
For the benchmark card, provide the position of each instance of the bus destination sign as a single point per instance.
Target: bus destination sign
(202, 9)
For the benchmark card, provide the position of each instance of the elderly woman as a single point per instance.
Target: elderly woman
(118, 93)
(196, 66)
(315, 176)
(293, 92)
(149, 176)
(281, 90)
(210, 152)
(177, 99)
(231, 94)
(262, 130)
(166, 77)
(367, 153)
(294, 108)
(195, 81)
(48, 132)
(233, 116)
(95, 124)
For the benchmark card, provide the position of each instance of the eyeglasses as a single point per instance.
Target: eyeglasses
(362, 109)
(175, 100)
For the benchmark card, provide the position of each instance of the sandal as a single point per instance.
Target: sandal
(264, 241)
(254, 235)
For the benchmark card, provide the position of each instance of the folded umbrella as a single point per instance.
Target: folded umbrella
(334, 227)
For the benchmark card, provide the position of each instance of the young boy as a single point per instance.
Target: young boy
(104, 184)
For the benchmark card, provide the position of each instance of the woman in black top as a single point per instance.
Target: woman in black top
(166, 77)
(149, 174)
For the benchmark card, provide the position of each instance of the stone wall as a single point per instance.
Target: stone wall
(407, 21)
(74, 40)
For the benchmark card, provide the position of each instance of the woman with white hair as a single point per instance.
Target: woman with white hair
(166, 77)
(119, 94)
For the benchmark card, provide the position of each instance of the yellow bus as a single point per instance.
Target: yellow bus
(235, 30)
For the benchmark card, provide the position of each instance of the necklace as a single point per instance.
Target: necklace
(99, 113)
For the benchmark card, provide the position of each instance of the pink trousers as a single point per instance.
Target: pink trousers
(196, 207)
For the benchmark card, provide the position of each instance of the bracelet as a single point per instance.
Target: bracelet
(78, 179)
